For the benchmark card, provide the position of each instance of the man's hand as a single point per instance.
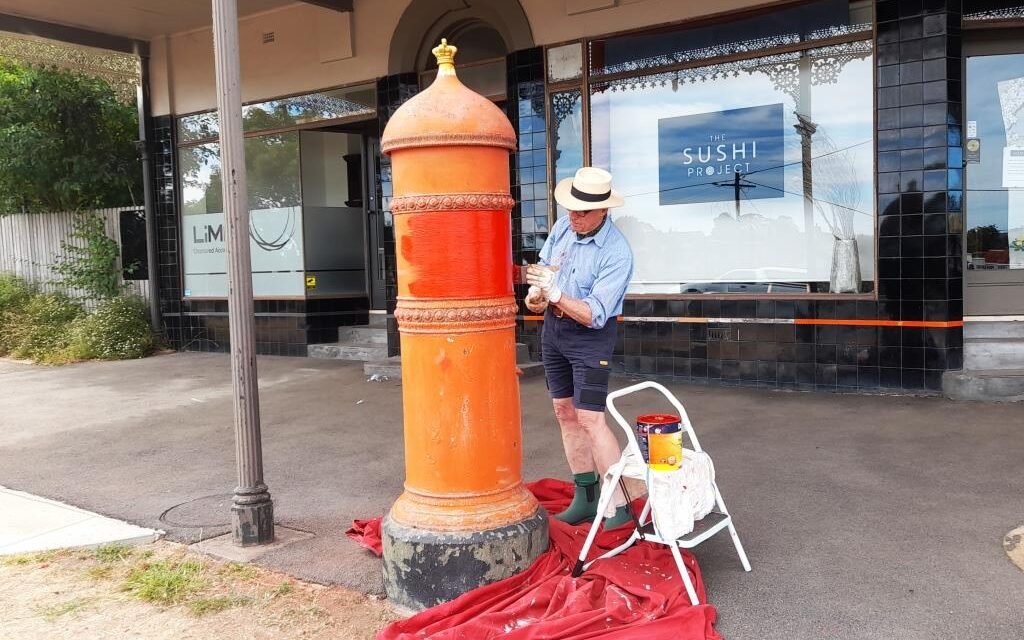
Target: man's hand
(545, 280)
(535, 300)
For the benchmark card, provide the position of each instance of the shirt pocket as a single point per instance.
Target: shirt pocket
(584, 279)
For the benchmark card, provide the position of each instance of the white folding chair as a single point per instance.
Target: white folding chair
(633, 465)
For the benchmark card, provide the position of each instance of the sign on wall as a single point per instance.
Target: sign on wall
(701, 155)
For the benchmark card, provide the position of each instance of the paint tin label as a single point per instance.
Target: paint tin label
(654, 425)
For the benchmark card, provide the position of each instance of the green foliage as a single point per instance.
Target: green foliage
(52, 328)
(14, 293)
(66, 142)
(39, 330)
(92, 263)
(117, 330)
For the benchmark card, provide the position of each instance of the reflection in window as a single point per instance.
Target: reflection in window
(275, 224)
(757, 172)
(566, 136)
(286, 112)
(995, 164)
(780, 27)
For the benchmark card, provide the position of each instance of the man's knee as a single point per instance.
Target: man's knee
(565, 413)
(591, 421)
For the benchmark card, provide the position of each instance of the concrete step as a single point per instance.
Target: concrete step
(993, 353)
(348, 351)
(1005, 385)
(363, 335)
(390, 368)
(522, 352)
(1000, 329)
(379, 320)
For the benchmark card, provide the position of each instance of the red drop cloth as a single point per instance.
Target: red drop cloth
(637, 594)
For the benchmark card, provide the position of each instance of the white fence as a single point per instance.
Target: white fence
(30, 245)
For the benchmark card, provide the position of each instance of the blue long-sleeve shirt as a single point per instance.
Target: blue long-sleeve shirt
(596, 269)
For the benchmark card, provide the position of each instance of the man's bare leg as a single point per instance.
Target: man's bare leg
(574, 438)
(577, 446)
(603, 447)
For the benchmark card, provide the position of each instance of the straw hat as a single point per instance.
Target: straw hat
(590, 188)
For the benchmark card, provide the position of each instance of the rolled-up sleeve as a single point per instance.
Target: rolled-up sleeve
(609, 288)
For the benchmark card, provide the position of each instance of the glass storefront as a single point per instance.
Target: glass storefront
(275, 226)
(744, 170)
(297, 194)
(757, 176)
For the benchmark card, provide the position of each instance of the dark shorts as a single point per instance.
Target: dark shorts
(577, 360)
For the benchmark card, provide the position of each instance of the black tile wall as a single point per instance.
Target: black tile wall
(528, 170)
(392, 92)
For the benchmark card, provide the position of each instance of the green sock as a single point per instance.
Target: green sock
(621, 517)
(584, 502)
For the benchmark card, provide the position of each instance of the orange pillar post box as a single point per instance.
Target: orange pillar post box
(465, 518)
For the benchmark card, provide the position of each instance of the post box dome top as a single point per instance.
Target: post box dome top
(447, 113)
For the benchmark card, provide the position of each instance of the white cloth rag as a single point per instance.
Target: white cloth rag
(681, 497)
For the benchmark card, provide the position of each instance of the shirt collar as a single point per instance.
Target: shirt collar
(600, 236)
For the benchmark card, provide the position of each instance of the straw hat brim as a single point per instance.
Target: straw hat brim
(564, 197)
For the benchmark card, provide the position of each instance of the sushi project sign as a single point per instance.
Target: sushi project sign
(699, 155)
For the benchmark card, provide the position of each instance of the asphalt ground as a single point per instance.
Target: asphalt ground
(863, 516)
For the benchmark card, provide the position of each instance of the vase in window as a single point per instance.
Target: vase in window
(845, 276)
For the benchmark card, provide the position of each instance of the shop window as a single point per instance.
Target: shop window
(749, 176)
(566, 136)
(275, 225)
(565, 63)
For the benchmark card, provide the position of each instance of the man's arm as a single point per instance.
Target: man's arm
(578, 310)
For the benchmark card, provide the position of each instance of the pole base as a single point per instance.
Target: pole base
(253, 524)
(424, 568)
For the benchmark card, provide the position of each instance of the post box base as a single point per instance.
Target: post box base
(424, 568)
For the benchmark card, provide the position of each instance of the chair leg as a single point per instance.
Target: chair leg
(607, 490)
(739, 547)
(685, 574)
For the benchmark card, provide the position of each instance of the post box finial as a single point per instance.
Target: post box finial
(445, 54)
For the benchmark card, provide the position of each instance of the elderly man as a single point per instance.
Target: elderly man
(579, 285)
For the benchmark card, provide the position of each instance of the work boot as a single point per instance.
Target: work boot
(619, 518)
(584, 502)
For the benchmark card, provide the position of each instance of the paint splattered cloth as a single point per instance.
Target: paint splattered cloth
(637, 594)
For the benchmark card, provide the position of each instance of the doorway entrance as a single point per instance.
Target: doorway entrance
(993, 174)
(345, 255)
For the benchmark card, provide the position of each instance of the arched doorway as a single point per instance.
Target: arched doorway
(481, 29)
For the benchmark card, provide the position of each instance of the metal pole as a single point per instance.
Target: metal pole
(142, 101)
(252, 510)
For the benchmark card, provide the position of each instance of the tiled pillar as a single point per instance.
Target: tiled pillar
(163, 158)
(920, 181)
(529, 172)
(392, 91)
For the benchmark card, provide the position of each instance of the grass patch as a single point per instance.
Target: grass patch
(110, 553)
(216, 604)
(55, 611)
(21, 559)
(100, 572)
(282, 589)
(167, 582)
(239, 570)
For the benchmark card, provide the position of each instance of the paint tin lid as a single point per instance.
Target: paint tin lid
(657, 418)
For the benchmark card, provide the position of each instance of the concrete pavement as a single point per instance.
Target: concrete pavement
(863, 516)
